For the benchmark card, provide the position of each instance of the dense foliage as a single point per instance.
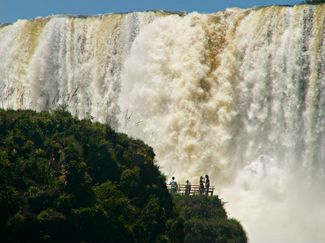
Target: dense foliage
(205, 220)
(66, 180)
(62, 179)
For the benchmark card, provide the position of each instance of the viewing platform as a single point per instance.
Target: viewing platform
(194, 190)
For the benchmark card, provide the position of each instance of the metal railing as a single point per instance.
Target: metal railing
(191, 190)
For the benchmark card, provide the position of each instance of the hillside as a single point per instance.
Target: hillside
(206, 220)
(63, 179)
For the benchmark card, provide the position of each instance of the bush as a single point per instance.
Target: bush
(205, 220)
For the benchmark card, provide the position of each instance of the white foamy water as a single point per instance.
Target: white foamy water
(238, 95)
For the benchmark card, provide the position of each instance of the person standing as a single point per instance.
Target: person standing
(188, 188)
(207, 185)
(201, 188)
(173, 185)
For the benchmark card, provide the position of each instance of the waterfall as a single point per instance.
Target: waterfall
(237, 94)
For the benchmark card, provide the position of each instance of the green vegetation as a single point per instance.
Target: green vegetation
(62, 179)
(205, 220)
(69, 180)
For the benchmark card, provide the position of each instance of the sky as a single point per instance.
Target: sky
(11, 10)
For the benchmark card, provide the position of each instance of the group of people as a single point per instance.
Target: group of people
(203, 187)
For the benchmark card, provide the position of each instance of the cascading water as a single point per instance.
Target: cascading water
(238, 95)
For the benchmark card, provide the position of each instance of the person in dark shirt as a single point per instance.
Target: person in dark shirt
(188, 188)
(207, 185)
(201, 189)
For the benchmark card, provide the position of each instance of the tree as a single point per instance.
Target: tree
(61, 176)
(152, 223)
(205, 220)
